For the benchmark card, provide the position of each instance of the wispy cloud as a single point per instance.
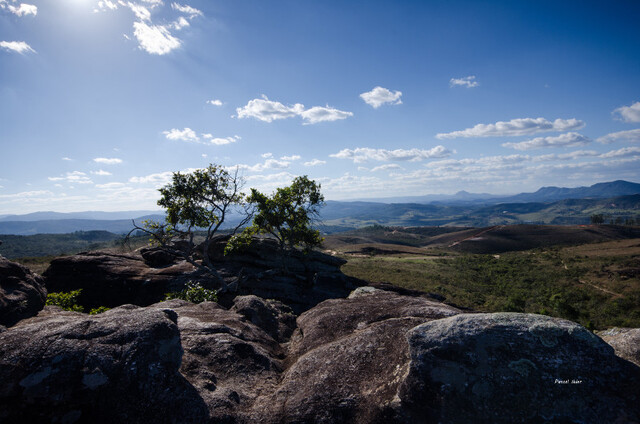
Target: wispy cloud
(108, 161)
(100, 172)
(155, 39)
(315, 162)
(290, 158)
(267, 164)
(386, 167)
(629, 114)
(189, 135)
(191, 11)
(516, 127)
(268, 111)
(75, 177)
(186, 134)
(215, 102)
(569, 139)
(468, 82)
(632, 136)
(380, 96)
(23, 9)
(67, 159)
(16, 46)
(219, 141)
(364, 154)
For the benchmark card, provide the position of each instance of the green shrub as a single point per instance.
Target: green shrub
(194, 293)
(98, 310)
(65, 300)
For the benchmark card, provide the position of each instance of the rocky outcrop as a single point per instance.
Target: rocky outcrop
(374, 357)
(510, 367)
(109, 279)
(625, 341)
(143, 277)
(22, 293)
(119, 366)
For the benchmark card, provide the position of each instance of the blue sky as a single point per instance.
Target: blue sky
(102, 100)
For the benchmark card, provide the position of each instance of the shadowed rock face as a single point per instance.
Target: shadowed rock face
(119, 366)
(508, 367)
(111, 280)
(375, 357)
(625, 341)
(22, 293)
(142, 278)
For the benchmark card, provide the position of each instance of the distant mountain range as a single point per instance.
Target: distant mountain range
(548, 205)
(544, 194)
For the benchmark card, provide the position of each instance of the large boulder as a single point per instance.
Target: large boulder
(274, 317)
(228, 359)
(110, 279)
(347, 359)
(510, 367)
(625, 341)
(22, 293)
(119, 366)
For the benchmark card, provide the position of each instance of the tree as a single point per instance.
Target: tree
(287, 215)
(597, 219)
(200, 200)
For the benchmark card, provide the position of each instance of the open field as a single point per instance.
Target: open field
(596, 284)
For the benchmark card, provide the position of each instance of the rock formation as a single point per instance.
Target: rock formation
(625, 341)
(374, 357)
(22, 293)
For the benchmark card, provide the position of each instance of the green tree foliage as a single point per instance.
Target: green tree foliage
(597, 219)
(98, 310)
(195, 293)
(66, 300)
(200, 200)
(287, 215)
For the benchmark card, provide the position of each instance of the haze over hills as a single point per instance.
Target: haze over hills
(549, 205)
(544, 194)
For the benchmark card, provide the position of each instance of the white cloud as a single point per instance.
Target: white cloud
(268, 164)
(180, 23)
(160, 178)
(268, 111)
(629, 113)
(186, 134)
(290, 158)
(26, 194)
(106, 4)
(140, 11)
(516, 127)
(380, 95)
(16, 46)
(75, 177)
(22, 10)
(624, 152)
(155, 39)
(386, 167)
(324, 114)
(215, 102)
(191, 11)
(563, 140)
(363, 154)
(111, 186)
(314, 162)
(218, 141)
(267, 155)
(468, 82)
(67, 159)
(101, 172)
(108, 161)
(632, 136)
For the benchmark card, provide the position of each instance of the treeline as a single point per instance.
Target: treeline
(56, 244)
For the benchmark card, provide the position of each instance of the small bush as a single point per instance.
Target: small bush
(194, 293)
(65, 300)
(98, 310)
